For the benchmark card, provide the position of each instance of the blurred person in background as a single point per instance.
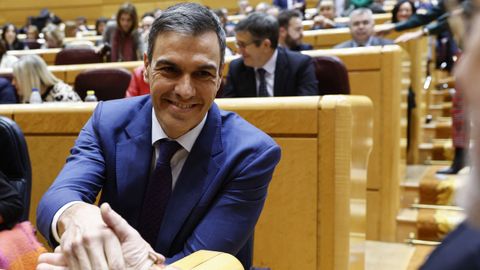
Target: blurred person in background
(145, 25)
(100, 24)
(124, 38)
(291, 31)
(31, 72)
(361, 28)
(10, 39)
(53, 37)
(325, 18)
(6, 60)
(459, 250)
(402, 11)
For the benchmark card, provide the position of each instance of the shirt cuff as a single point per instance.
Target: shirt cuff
(57, 216)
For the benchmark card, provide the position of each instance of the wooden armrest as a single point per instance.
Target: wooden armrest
(208, 260)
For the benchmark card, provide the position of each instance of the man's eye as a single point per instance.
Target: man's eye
(204, 74)
(168, 69)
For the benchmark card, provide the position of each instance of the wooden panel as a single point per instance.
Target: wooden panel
(59, 118)
(298, 116)
(294, 188)
(373, 213)
(47, 156)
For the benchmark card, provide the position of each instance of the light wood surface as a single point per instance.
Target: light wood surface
(208, 260)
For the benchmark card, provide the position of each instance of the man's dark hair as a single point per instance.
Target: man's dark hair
(285, 16)
(261, 26)
(187, 18)
(129, 9)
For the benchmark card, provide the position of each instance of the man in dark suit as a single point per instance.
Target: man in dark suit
(290, 4)
(361, 28)
(291, 31)
(264, 68)
(185, 174)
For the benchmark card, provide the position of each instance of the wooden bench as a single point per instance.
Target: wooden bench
(314, 217)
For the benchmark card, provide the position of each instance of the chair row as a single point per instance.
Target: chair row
(314, 216)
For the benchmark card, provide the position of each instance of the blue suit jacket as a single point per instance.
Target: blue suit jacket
(459, 250)
(294, 76)
(218, 196)
(7, 92)
(282, 4)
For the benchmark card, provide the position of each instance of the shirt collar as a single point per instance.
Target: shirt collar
(369, 41)
(270, 65)
(186, 140)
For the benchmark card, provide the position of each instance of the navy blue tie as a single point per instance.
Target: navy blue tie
(158, 192)
(262, 88)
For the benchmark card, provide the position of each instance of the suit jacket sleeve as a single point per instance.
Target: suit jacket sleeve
(231, 219)
(307, 81)
(7, 92)
(11, 206)
(81, 178)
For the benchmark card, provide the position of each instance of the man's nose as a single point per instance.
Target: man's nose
(185, 88)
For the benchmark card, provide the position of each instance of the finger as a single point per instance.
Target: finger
(46, 266)
(113, 220)
(79, 258)
(66, 248)
(93, 246)
(55, 259)
(113, 252)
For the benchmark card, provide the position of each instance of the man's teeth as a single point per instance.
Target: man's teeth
(183, 106)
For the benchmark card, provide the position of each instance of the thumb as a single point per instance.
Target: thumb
(115, 222)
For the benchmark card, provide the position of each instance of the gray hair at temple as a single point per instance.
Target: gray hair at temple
(187, 18)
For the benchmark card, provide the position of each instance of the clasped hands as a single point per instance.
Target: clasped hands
(99, 238)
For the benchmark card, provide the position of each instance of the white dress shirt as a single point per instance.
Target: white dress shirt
(176, 163)
(269, 73)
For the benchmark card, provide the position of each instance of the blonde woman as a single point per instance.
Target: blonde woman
(31, 72)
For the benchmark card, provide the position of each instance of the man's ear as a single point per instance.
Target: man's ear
(266, 43)
(220, 76)
(146, 65)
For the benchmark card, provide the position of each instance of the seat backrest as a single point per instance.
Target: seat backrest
(108, 83)
(332, 76)
(15, 161)
(71, 56)
(32, 44)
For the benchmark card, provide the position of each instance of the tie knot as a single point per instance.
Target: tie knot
(167, 149)
(261, 72)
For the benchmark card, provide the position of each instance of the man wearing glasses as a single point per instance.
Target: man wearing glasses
(266, 70)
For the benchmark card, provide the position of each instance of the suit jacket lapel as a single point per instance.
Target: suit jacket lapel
(198, 172)
(133, 162)
(281, 71)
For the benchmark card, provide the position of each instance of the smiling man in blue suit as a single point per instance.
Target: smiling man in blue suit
(218, 165)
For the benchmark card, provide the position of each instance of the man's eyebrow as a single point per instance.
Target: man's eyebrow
(207, 66)
(164, 62)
